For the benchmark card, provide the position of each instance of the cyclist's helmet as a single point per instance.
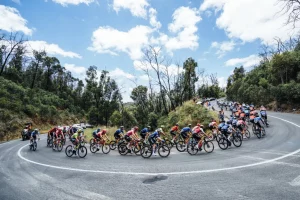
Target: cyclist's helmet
(80, 130)
(190, 125)
(36, 130)
(98, 130)
(177, 124)
(104, 131)
(214, 120)
(256, 115)
(135, 128)
(198, 124)
(159, 130)
(121, 127)
(201, 126)
(149, 127)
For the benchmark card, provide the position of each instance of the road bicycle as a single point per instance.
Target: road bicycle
(235, 137)
(161, 147)
(79, 150)
(136, 147)
(182, 143)
(57, 144)
(33, 144)
(207, 145)
(99, 144)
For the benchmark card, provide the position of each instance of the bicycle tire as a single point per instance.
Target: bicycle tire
(69, 151)
(34, 147)
(218, 137)
(105, 149)
(237, 141)
(113, 145)
(162, 149)
(137, 149)
(93, 148)
(191, 149)
(123, 150)
(263, 132)
(247, 134)
(169, 143)
(223, 144)
(147, 151)
(82, 151)
(59, 147)
(208, 146)
(180, 146)
(210, 137)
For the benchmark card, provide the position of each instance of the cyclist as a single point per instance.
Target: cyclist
(53, 130)
(241, 125)
(174, 131)
(197, 133)
(132, 134)
(252, 116)
(154, 137)
(184, 132)
(243, 115)
(119, 133)
(221, 116)
(263, 114)
(34, 134)
(59, 134)
(145, 132)
(226, 132)
(95, 132)
(102, 136)
(258, 121)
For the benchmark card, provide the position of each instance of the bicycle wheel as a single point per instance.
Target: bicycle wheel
(113, 145)
(191, 148)
(208, 146)
(54, 146)
(247, 134)
(223, 143)
(163, 151)
(50, 143)
(218, 137)
(122, 148)
(59, 147)
(82, 151)
(263, 132)
(147, 151)
(91, 140)
(69, 151)
(93, 148)
(169, 143)
(237, 141)
(210, 137)
(105, 149)
(137, 149)
(180, 146)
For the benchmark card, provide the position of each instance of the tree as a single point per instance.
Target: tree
(140, 98)
(190, 78)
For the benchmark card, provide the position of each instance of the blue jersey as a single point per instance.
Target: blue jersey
(155, 135)
(34, 133)
(145, 130)
(95, 132)
(118, 132)
(257, 119)
(225, 127)
(263, 113)
(234, 122)
(186, 130)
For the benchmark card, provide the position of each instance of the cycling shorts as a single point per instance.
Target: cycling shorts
(127, 138)
(173, 133)
(184, 135)
(143, 135)
(152, 140)
(117, 136)
(196, 136)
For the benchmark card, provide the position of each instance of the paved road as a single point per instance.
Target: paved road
(268, 168)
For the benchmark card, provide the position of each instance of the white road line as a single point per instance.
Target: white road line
(285, 121)
(166, 173)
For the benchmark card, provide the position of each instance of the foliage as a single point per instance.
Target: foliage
(276, 79)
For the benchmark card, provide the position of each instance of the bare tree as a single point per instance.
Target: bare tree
(292, 8)
(9, 45)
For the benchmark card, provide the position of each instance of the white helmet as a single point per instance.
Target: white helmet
(160, 130)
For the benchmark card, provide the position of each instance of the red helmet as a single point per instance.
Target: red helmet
(136, 128)
(214, 120)
(198, 124)
(104, 131)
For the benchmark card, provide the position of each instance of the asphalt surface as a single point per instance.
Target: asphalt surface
(267, 168)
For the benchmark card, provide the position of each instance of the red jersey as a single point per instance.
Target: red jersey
(59, 132)
(53, 130)
(175, 128)
(130, 133)
(101, 133)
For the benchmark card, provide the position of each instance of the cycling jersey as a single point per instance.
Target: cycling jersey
(75, 136)
(118, 132)
(154, 135)
(101, 133)
(130, 133)
(212, 124)
(263, 113)
(225, 127)
(196, 129)
(234, 122)
(59, 133)
(185, 130)
(220, 126)
(145, 130)
(53, 130)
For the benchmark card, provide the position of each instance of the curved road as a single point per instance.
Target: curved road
(268, 168)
